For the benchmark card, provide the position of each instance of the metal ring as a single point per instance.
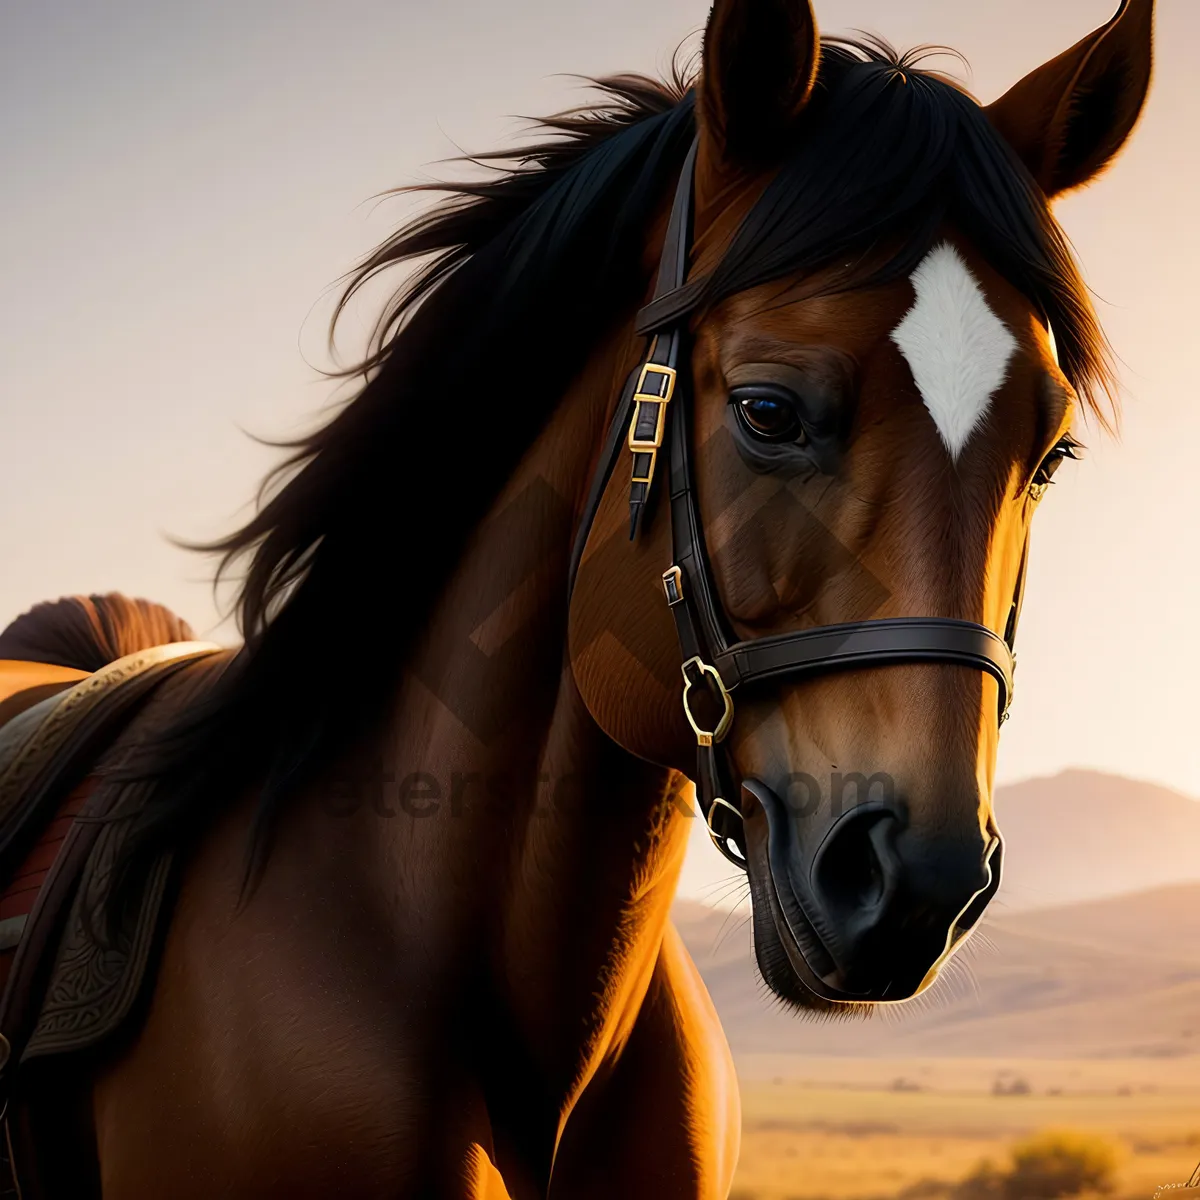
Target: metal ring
(705, 737)
(721, 841)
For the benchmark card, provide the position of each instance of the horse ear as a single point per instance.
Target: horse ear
(1069, 118)
(760, 63)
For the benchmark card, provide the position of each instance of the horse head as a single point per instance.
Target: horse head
(887, 346)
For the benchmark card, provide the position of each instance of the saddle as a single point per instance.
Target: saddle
(68, 982)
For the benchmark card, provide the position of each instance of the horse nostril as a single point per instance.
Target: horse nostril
(855, 871)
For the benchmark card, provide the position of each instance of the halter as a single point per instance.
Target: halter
(654, 411)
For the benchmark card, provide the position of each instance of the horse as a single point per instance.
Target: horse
(760, 372)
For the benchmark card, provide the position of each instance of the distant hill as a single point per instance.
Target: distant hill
(1082, 835)
(1159, 922)
(1114, 978)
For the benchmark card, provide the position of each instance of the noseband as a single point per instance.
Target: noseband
(654, 411)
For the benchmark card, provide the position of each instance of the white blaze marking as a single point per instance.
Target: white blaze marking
(956, 346)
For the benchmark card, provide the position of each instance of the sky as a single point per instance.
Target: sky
(183, 184)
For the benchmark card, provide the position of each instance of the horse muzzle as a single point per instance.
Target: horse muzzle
(873, 911)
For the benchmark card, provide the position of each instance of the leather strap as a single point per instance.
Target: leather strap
(622, 429)
(658, 379)
(1014, 616)
(614, 443)
(870, 644)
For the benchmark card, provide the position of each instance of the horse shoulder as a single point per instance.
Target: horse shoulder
(664, 1123)
(712, 1077)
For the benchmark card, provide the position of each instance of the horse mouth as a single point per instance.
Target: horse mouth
(790, 953)
(800, 961)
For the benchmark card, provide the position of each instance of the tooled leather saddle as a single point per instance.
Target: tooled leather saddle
(69, 983)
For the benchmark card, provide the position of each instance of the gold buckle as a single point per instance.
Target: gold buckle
(661, 400)
(705, 737)
(668, 373)
(673, 586)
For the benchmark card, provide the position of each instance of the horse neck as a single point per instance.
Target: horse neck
(563, 851)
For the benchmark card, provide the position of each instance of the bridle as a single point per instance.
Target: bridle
(653, 417)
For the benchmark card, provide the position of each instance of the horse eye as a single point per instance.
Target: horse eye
(1044, 476)
(768, 413)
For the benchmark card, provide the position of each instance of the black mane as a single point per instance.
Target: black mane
(539, 260)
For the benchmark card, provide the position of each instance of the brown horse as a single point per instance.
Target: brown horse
(427, 822)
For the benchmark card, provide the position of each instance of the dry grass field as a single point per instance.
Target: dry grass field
(844, 1129)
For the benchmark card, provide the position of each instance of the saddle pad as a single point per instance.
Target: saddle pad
(70, 729)
(47, 754)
